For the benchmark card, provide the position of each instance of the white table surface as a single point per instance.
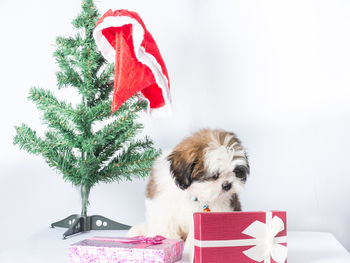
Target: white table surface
(47, 246)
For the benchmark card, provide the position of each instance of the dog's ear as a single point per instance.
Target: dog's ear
(181, 169)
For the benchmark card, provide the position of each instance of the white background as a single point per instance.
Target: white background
(275, 72)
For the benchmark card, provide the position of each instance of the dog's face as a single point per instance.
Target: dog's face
(211, 165)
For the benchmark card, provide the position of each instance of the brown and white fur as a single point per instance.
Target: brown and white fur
(210, 165)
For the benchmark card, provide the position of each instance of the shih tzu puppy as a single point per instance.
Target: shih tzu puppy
(209, 168)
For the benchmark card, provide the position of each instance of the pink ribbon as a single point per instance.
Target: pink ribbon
(142, 241)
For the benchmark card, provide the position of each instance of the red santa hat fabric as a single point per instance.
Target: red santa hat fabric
(139, 68)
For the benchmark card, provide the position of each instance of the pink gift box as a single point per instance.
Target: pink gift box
(117, 250)
(242, 237)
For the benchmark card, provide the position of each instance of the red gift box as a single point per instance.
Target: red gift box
(240, 237)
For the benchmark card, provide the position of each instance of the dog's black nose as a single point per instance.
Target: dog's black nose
(226, 186)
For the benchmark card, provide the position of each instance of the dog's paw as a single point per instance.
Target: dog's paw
(138, 230)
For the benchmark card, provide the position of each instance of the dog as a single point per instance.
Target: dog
(206, 170)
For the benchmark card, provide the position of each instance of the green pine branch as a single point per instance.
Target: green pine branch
(64, 161)
(100, 111)
(45, 100)
(103, 84)
(129, 165)
(87, 18)
(104, 80)
(63, 125)
(115, 141)
(68, 76)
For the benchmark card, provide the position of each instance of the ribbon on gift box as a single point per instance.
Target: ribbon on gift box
(265, 243)
(141, 241)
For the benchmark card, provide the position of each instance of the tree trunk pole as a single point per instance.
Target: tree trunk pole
(85, 191)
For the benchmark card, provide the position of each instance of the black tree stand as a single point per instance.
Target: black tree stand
(83, 223)
(78, 224)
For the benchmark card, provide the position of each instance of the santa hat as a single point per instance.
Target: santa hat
(139, 68)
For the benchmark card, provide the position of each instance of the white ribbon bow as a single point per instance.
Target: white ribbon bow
(265, 243)
(267, 246)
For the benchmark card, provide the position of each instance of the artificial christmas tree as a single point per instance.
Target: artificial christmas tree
(82, 153)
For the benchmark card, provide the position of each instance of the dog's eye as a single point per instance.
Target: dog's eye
(216, 176)
(240, 173)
